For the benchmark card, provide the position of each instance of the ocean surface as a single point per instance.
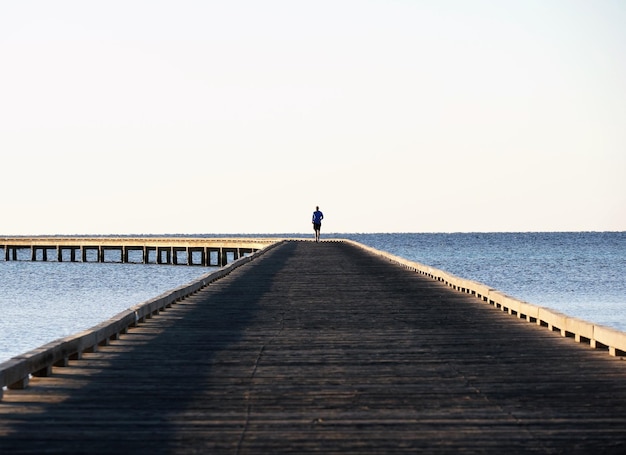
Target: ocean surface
(582, 274)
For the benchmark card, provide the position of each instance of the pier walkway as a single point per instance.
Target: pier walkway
(327, 348)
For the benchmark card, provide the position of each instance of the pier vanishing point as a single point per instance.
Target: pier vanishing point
(330, 347)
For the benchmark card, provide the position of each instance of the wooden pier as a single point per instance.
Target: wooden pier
(155, 250)
(326, 348)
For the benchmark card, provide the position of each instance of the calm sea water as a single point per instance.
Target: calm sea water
(580, 274)
(43, 301)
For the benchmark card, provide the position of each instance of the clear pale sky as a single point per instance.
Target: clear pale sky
(131, 117)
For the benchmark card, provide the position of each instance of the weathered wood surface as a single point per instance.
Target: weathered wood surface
(326, 348)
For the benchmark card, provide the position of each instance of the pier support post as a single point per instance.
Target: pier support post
(168, 255)
(207, 252)
(21, 384)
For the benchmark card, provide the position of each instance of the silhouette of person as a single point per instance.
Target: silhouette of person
(317, 222)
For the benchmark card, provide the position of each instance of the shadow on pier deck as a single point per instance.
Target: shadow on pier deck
(326, 348)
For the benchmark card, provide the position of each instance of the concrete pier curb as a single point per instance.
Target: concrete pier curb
(15, 372)
(595, 335)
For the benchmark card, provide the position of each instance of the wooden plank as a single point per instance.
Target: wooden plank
(323, 347)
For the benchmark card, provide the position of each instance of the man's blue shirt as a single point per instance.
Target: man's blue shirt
(317, 217)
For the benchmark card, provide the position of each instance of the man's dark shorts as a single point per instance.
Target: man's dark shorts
(317, 226)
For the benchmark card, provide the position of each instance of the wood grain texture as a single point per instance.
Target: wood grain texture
(323, 347)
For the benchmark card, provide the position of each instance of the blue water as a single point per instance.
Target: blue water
(580, 274)
(43, 301)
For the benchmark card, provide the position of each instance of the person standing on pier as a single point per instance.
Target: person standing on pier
(317, 222)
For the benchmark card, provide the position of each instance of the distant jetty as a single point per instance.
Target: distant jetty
(153, 250)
